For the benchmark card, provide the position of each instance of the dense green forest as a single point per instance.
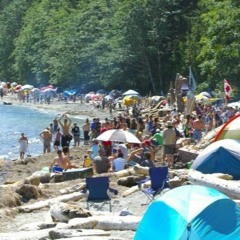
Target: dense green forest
(120, 44)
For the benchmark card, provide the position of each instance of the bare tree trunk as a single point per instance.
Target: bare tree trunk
(230, 188)
(159, 71)
(178, 84)
(150, 75)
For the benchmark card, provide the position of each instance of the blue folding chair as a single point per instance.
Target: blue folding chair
(159, 178)
(98, 188)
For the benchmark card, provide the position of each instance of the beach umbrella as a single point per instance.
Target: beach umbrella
(115, 93)
(135, 98)
(234, 104)
(35, 90)
(13, 84)
(27, 87)
(95, 97)
(18, 87)
(118, 135)
(206, 94)
(190, 212)
(130, 92)
(108, 97)
(130, 100)
(101, 91)
(49, 90)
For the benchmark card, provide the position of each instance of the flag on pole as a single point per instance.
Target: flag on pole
(227, 89)
(191, 81)
(192, 86)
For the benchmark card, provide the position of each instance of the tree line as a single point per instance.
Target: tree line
(120, 44)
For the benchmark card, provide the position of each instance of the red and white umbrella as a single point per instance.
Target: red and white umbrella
(118, 135)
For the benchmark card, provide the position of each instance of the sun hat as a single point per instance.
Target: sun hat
(169, 124)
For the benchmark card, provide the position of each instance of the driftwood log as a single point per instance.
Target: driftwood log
(72, 189)
(67, 233)
(141, 170)
(230, 188)
(104, 223)
(53, 233)
(129, 181)
(62, 212)
(122, 173)
(45, 203)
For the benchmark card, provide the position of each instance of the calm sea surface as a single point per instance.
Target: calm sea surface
(17, 119)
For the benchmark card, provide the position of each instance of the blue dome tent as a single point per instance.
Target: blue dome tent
(191, 212)
(222, 156)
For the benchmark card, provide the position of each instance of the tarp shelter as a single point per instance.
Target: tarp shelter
(220, 157)
(230, 130)
(191, 212)
(71, 92)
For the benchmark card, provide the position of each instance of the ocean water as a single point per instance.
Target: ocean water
(17, 119)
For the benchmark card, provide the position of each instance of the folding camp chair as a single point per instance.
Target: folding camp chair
(98, 188)
(159, 178)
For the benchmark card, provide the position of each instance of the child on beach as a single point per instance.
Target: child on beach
(87, 162)
(57, 140)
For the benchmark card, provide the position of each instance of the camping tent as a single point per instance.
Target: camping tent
(230, 130)
(220, 157)
(191, 212)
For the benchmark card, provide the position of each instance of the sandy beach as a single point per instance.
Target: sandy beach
(12, 220)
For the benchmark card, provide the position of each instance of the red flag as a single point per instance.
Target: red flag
(227, 89)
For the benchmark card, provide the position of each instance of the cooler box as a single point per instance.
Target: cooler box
(77, 173)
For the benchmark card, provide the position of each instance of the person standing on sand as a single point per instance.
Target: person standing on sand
(169, 143)
(86, 130)
(47, 138)
(23, 144)
(57, 140)
(76, 135)
(55, 125)
(65, 125)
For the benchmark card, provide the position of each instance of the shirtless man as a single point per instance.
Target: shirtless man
(61, 163)
(169, 143)
(46, 135)
(65, 125)
(198, 126)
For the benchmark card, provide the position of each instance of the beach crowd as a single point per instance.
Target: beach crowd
(154, 132)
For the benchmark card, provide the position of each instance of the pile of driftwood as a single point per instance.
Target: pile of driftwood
(62, 216)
